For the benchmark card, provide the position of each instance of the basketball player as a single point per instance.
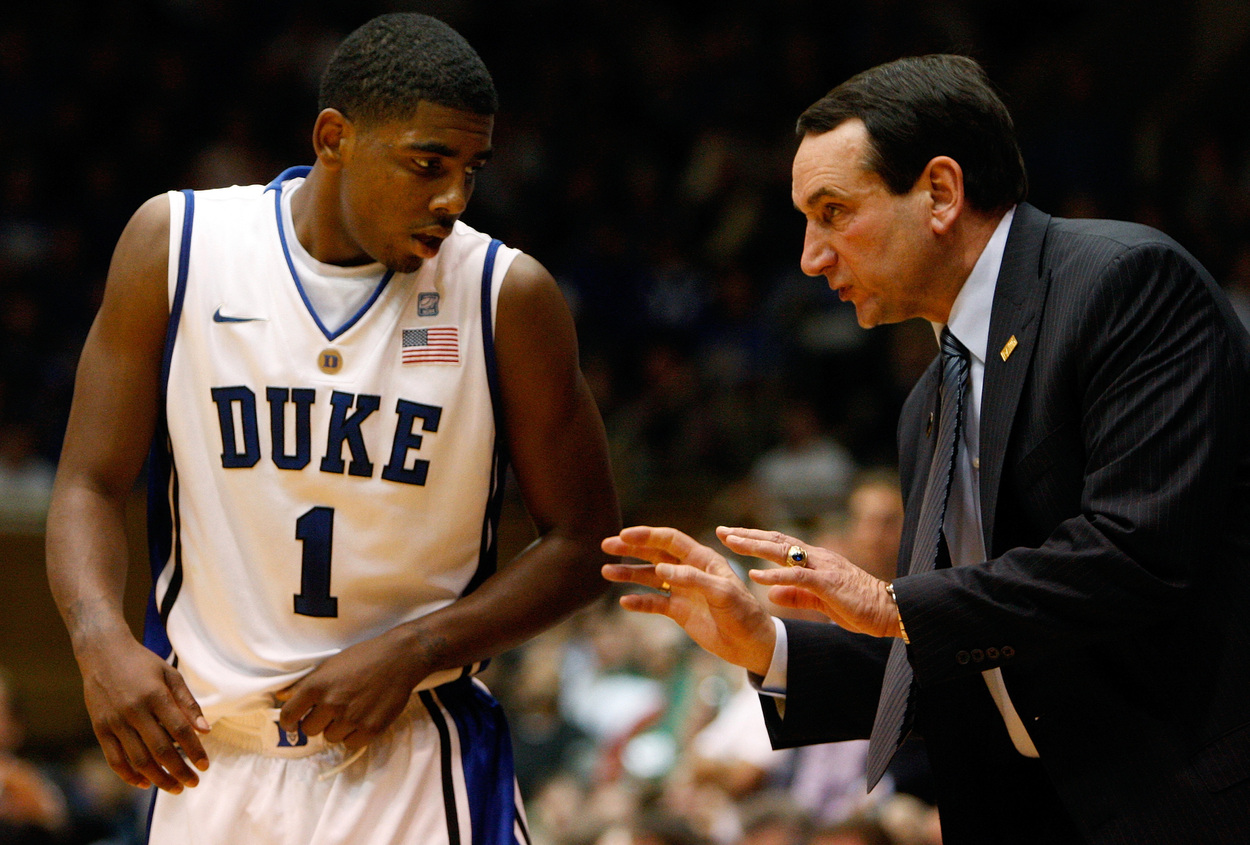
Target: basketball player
(333, 372)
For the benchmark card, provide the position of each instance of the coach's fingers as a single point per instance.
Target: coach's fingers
(643, 574)
(853, 598)
(772, 546)
(792, 576)
(797, 587)
(798, 598)
(647, 603)
(617, 547)
(659, 545)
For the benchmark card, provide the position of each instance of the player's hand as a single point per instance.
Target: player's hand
(144, 716)
(825, 581)
(356, 694)
(698, 590)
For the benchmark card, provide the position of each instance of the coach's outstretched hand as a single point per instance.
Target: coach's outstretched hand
(699, 591)
(824, 581)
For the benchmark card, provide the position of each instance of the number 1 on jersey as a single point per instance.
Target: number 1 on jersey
(315, 529)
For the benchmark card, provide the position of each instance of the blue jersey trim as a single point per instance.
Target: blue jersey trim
(488, 552)
(180, 289)
(276, 187)
(163, 518)
(488, 332)
(486, 759)
(147, 826)
(444, 755)
(300, 170)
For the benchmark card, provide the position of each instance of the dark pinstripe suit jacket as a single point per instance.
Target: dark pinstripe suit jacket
(1115, 494)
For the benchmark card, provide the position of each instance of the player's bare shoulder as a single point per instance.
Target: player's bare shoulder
(533, 312)
(527, 280)
(135, 308)
(144, 243)
(138, 272)
(537, 351)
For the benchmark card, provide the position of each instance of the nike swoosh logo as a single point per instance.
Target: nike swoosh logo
(219, 317)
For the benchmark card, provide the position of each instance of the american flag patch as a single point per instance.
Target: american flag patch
(435, 345)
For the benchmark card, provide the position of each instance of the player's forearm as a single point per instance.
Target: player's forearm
(551, 579)
(87, 562)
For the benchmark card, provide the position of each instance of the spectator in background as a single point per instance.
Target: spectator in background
(808, 472)
(32, 808)
(869, 528)
(25, 479)
(859, 830)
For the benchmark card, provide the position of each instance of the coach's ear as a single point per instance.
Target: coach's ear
(332, 139)
(943, 184)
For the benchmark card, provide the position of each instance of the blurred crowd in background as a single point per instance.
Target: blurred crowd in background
(643, 155)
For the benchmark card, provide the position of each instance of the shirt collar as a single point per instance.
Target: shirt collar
(969, 319)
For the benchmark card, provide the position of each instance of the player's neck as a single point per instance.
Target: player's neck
(314, 212)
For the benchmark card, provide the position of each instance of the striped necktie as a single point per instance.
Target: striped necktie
(894, 710)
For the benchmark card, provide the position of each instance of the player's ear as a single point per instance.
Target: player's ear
(943, 181)
(332, 137)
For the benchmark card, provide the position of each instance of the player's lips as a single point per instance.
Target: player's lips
(429, 242)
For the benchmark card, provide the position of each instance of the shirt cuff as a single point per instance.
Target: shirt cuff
(774, 683)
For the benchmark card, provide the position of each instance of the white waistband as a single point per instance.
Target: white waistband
(260, 733)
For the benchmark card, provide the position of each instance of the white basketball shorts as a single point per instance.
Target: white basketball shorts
(441, 775)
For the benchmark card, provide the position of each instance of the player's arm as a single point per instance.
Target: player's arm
(560, 457)
(139, 705)
(559, 453)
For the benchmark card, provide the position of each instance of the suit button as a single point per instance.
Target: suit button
(977, 655)
(1008, 652)
(991, 653)
(962, 658)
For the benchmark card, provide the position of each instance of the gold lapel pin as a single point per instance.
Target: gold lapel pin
(1008, 347)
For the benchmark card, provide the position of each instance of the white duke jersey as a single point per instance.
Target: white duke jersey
(310, 488)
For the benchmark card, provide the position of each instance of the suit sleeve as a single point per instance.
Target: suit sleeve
(834, 681)
(1139, 420)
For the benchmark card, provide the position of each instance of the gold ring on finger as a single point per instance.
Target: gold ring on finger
(796, 556)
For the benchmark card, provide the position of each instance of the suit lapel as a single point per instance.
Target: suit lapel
(917, 438)
(1018, 299)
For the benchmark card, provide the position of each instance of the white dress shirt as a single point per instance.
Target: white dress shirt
(969, 321)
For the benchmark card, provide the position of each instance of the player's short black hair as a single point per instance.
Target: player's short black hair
(926, 106)
(384, 68)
